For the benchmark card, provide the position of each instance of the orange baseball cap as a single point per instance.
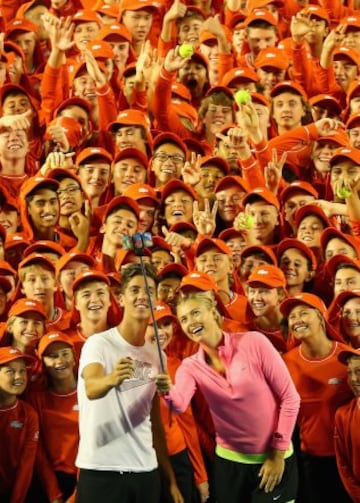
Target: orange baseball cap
(160, 243)
(231, 233)
(37, 182)
(72, 128)
(182, 227)
(23, 25)
(256, 249)
(220, 89)
(343, 356)
(298, 186)
(51, 337)
(36, 258)
(138, 191)
(74, 256)
(333, 232)
(230, 181)
(184, 109)
(85, 276)
(13, 240)
(114, 30)
(23, 306)
(161, 311)
(348, 152)
(267, 275)
(353, 121)
(272, 57)
(287, 243)
(352, 21)
(86, 16)
(177, 184)
(339, 301)
(130, 117)
(339, 259)
(260, 15)
(262, 193)
(218, 161)
(44, 246)
(60, 173)
(326, 101)
(120, 201)
(132, 153)
(308, 299)
(139, 5)
(242, 74)
(178, 89)
(100, 49)
(206, 243)
(74, 101)
(93, 153)
(9, 354)
(288, 86)
(174, 268)
(353, 90)
(169, 137)
(316, 11)
(347, 52)
(311, 209)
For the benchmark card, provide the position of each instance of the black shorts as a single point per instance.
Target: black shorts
(239, 483)
(95, 486)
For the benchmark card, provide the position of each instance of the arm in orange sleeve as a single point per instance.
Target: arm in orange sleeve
(336, 10)
(167, 120)
(302, 69)
(343, 460)
(107, 106)
(226, 63)
(139, 100)
(51, 90)
(252, 172)
(26, 465)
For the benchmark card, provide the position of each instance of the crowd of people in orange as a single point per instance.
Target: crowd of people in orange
(229, 131)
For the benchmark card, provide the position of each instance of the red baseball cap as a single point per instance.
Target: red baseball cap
(262, 193)
(347, 52)
(130, 117)
(9, 354)
(100, 49)
(122, 201)
(23, 306)
(260, 15)
(138, 191)
(139, 5)
(326, 101)
(85, 276)
(348, 152)
(230, 181)
(72, 102)
(132, 153)
(239, 74)
(353, 121)
(311, 209)
(207, 243)
(174, 185)
(343, 356)
(37, 182)
(287, 243)
(218, 161)
(231, 233)
(268, 275)
(93, 153)
(180, 90)
(184, 109)
(51, 337)
(316, 11)
(86, 16)
(335, 261)
(169, 137)
(308, 299)
(36, 258)
(333, 232)
(174, 268)
(161, 311)
(352, 21)
(74, 256)
(298, 186)
(256, 249)
(44, 246)
(23, 25)
(288, 86)
(114, 30)
(340, 300)
(272, 57)
(353, 89)
(71, 127)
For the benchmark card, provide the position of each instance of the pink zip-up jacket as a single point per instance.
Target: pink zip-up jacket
(254, 406)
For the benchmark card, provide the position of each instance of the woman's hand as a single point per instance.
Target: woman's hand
(272, 471)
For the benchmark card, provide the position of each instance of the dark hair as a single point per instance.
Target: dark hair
(133, 270)
(216, 98)
(33, 193)
(122, 206)
(260, 23)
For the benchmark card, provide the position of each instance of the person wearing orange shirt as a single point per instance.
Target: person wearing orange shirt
(58, 414)
(19, 428)
(321, 381)
(347, 439)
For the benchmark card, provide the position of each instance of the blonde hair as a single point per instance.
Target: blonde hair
(206, 298)
(33, 268)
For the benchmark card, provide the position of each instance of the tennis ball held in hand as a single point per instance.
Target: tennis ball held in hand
(186, 50)
(242, 96)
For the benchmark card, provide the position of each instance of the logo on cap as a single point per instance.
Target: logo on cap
(194, 275)
(53, 336)
(14, 351)
(30, 303)
(263, 271)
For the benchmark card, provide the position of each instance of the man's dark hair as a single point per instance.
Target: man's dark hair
(133, 270)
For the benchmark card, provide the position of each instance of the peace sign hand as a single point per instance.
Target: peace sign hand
(191, 171)
(205, 220)
(273, 171)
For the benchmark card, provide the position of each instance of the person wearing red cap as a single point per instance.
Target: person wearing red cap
(19, 428)
(57, 408)
(260, 33)
(343, 314)
(289, 106)
(216, 110)
(253, 256)
(347, 441)
(148, 202)
(321, 382)
(137, 16)
(298, 264)
(169, 282)
(87, 26)
(129, 167)
(293, 197)
(67, 268)
(26, 35)
(177, 203)
(181, 434)
(131, 129)
(239, 475)
(161, 254)
(266, 289)
(114, 376)
(271, 66)
(194, 74)
(310, 221)
(94, 170)
(168, 159)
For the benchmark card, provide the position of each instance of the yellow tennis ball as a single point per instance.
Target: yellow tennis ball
(186, 50)
(242, 96)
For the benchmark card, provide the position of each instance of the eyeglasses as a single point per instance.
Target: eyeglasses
(176, 159)
(71, 190)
